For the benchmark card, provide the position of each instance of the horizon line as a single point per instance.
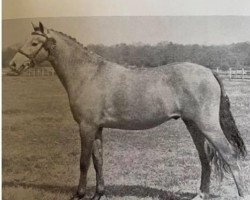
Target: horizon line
(127, 16)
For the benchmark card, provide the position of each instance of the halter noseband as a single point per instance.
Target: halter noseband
(33, 56)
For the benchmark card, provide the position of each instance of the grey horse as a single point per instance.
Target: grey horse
(103, 94)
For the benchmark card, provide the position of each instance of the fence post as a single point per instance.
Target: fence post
(217, 70)
(230, 73)
(243, 71)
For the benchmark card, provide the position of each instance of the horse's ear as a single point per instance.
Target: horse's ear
(36, 28)
(41, 27)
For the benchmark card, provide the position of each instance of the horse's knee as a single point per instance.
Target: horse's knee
(84, 165)
(87, 133)
(85, 158)
(98, 162)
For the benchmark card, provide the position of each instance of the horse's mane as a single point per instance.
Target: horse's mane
(93, 57)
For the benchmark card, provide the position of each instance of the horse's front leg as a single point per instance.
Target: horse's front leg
(87, 133)
(98, 163)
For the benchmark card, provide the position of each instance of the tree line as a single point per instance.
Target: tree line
(144, 55)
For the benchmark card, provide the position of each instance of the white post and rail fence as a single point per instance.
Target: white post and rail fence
(243, 74)
(40, 71)
(36, 71)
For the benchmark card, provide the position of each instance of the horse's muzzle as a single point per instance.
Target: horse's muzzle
(22, 68)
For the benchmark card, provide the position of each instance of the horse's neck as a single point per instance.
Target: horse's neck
(71, 62)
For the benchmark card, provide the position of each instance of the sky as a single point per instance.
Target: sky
(109, 30)
(215, 21)
(58, 8)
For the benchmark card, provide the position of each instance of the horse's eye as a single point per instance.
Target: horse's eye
(34, 44)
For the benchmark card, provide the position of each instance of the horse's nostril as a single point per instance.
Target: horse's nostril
(13, 64)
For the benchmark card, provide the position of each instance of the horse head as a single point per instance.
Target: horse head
(35, 50)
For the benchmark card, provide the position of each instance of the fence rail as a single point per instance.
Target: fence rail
(41, 71)
(37, 71)
(243, 74)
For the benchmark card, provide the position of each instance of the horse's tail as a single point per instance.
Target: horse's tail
(216, 160)
(230, 130)
(228, 124)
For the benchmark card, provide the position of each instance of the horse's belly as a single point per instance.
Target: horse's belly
(138, 119)
(140, 105)
(136, 125)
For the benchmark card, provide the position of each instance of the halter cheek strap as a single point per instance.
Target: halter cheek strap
(33, 56)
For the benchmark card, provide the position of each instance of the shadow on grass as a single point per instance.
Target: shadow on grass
(111, 191)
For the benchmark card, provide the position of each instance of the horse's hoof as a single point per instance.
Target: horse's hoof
(77, 197)
(97, 196)
(201, 196)
(246, 197)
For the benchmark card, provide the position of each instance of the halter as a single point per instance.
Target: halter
(32, 57)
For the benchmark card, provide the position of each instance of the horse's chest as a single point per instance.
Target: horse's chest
(86, 107)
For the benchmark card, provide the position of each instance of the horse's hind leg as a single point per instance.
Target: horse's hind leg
(199, 141)
(98, 163)
(211, 129)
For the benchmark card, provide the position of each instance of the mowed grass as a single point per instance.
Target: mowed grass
(41, 149)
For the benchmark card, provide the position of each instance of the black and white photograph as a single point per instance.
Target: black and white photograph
(125, 100)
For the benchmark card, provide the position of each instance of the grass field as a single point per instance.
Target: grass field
(41, 149)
